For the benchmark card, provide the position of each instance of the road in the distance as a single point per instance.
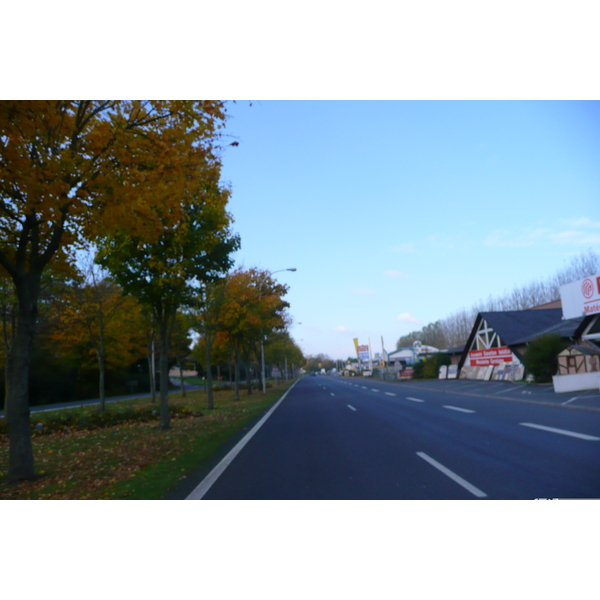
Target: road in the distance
(340, 438)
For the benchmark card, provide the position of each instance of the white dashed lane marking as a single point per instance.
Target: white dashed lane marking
(582, 436)
(457, 478)
(465, 410)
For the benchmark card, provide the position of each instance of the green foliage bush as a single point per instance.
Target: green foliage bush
(433, 364)
(418, 370)
(541, 356)
(429, 368)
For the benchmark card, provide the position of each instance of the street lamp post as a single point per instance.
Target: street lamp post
(262, 348)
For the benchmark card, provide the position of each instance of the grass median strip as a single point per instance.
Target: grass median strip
(132, 459)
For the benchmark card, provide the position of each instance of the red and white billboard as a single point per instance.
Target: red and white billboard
(491, 356)
(581, 298)
(363, 353)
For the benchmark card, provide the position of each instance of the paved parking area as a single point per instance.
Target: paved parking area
(525, 392)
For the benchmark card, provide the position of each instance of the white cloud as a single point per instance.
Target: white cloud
(577, 238)
(581, 232)
(364, 292)
(503, 238)
(439, 242)
(407, 318)
(393, 274)
(404, 248)
(580, 222)
(342, 329)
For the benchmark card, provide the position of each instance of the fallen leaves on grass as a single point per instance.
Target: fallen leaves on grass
(74, 463)
(78, 464)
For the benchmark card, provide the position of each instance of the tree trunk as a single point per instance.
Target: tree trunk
(248, 374)
(101, 380)
(209, 390)
(260, 377)
(236, 368)
(18, 364)
(151, 369)
(101, 352)
(165, 419)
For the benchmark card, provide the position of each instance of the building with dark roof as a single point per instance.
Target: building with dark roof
(509, 328)
(498, 340)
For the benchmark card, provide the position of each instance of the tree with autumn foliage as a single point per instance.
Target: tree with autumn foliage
(253, 308)
(95, 314)
(71, 170)
(166, 274)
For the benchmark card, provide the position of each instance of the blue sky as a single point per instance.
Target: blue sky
(398, 213)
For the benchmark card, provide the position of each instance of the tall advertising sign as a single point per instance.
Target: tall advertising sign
(363, 353)
(581, 298)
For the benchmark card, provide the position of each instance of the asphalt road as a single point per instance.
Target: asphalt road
(340, 438)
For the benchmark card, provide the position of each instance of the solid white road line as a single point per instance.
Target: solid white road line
(582, 436)
(466, 410)
(389, 394)
(457, 478)
(414, 399)
(350, 407)
(200, 490)
(568, 401)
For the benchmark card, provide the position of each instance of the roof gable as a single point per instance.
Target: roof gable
(515, 325)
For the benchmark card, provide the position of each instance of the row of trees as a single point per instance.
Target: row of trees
(140, 182)
(320, 361)
(242, 317)
(91, 339)
(454, 330)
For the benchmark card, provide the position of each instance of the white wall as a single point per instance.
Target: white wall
(576, 382)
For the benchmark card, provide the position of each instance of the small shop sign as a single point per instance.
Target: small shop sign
(491, 356)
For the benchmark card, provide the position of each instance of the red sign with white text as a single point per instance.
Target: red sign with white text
(491, 356)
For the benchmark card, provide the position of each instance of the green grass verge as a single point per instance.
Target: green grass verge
(157, 479)
(132, 459)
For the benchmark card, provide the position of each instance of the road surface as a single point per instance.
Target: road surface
(345, 438)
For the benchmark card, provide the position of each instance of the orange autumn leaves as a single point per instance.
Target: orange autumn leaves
(97, 320)
(99, 164)
(252, 306)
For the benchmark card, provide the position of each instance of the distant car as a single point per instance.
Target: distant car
(313, 374)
